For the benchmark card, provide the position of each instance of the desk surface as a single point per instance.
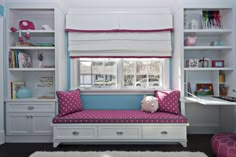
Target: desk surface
(207, 100)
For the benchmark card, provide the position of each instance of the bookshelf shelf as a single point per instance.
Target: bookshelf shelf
(32, 69)
(209, 69)
(33, 99)
(208, 31)
(207, 47)
(35, 31)
(31, 48)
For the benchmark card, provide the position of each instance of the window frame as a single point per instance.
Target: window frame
(120, 88)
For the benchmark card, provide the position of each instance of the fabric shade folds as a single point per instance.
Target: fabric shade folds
(120, 33)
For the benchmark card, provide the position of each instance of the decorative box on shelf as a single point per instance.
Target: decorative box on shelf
(192, 63)
(217, 63)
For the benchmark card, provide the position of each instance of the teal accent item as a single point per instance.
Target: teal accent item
(23, 92)
(112, 102)
(1, 10)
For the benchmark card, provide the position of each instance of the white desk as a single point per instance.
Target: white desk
(211, 101)
(208, 100)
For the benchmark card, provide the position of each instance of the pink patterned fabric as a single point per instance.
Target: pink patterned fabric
(119, 116)
(168, 101)
(224, 144)
(69, 102)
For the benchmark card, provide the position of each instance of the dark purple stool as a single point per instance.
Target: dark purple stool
(224, 144)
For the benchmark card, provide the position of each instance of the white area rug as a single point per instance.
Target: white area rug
(118, 154)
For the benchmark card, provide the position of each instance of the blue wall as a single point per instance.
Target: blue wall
(1, 10)
(112, 102)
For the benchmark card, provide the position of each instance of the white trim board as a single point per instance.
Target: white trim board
(2, 137)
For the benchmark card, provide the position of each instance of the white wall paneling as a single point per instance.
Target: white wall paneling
(2, 132)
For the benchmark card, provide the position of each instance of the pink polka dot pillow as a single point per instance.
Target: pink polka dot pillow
(168, 101)
(69, 102)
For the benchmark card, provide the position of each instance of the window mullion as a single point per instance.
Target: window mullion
(120, 74)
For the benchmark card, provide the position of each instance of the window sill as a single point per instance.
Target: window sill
(117, 91)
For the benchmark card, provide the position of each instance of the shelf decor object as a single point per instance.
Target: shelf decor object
(192, 63)
(217, 63)
(23, 92)
(204, 89)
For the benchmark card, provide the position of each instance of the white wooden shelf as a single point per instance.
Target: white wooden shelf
(207, 100)
(35, 31)
(207, 47)
(208, 69)
(32, 48)
(208, 31)
(31, 69)
(32, 99)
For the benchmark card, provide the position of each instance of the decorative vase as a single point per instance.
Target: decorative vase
(40, 64)
(23, 92)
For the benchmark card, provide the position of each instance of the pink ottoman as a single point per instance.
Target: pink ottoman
(224, 144)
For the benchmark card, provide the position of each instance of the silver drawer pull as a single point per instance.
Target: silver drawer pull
(75, 133)
(119, 133)
(30, 107)
(164, 132)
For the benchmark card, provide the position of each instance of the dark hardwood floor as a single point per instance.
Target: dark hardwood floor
(195, 143)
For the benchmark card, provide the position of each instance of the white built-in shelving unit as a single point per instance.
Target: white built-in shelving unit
(218, 117)
(29, 119)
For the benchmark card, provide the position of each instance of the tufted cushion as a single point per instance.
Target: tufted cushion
(69, 102)
(119, 116)
(168, 101)
(224, 144)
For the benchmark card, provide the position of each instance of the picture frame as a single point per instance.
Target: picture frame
(192, 63)
(204, 89)
(217, 63)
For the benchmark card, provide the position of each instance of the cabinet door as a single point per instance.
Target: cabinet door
(17, 124)
(40, 123)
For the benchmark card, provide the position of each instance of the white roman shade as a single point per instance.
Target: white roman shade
(145, 33)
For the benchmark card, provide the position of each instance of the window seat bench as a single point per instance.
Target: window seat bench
(120, 126)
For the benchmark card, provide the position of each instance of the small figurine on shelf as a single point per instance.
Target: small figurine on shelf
(40, 58)
(204, 62)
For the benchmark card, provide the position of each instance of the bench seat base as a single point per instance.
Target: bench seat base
(120, 133)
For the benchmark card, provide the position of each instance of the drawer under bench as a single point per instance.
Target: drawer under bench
(120, 133)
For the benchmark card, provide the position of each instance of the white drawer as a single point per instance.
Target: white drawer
(115, 132)
(30, 107)
(164, 132)
(75, 132)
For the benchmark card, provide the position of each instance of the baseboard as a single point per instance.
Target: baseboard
(2, 137)
(203, 129)
(28, 139)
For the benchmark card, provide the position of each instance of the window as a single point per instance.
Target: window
(127, 73)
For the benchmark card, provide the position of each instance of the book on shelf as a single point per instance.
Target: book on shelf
(18, 59)
(189, 88)
(15, 86)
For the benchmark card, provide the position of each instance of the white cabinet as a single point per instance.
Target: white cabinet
(29, 118)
